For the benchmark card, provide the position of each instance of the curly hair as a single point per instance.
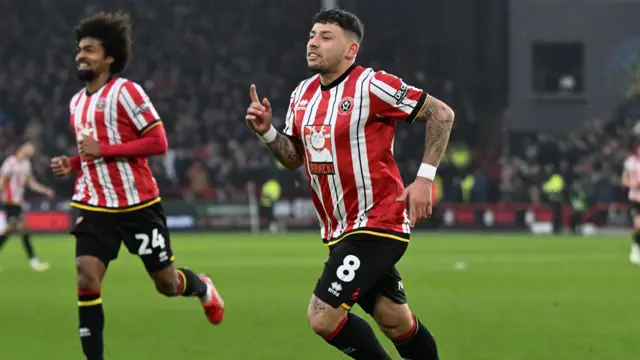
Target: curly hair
(114, 31)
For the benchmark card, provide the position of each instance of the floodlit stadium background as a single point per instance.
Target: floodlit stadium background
(540, 88)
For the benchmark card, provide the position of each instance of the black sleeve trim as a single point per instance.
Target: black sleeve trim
(148, 126)
(416, 110)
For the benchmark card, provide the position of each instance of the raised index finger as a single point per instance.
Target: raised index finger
(254, 94)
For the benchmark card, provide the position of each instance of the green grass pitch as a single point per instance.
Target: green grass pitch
(519, 297)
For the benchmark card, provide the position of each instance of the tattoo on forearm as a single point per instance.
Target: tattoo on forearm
(439, 120)
(285, 151)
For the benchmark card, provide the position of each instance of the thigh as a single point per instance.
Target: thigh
(389, 286)
(145, 234)
(96, 235)
(355, 266)
(13, 214)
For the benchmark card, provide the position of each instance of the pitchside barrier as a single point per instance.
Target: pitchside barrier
(299, 214)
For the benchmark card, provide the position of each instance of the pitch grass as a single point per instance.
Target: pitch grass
(486, 297)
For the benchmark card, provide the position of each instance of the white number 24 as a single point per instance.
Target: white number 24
(156, 240)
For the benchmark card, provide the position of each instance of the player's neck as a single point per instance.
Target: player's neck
(97, 82)
(327, 79)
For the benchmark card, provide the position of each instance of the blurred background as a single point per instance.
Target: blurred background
(538, 88)
(547, 101)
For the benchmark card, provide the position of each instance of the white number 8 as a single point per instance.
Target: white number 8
(347, 271)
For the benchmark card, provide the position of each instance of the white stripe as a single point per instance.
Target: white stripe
(146, 100)
(124, 168)
(359, 157)
(101, 168)
(335, 184)
(129, 105)
(296, 95)
(114, 138)
(86, 178)
(309, 117)
(386, 92)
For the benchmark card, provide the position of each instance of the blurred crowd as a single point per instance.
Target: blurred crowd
(589, 160)
(197, 60)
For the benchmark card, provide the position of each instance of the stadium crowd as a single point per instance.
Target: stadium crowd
(197, 72)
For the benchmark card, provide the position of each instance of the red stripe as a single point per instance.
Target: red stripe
(409, 333)
(323, 180)
(8, 198)
(88, 292)
(145, 184)
(338, 329)
(103, 137)
(138, 100)
(343, 142)
(180, 284)
(93, 174)
(386, 181)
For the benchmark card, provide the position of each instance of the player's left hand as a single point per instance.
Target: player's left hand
(89, 148)
(419, 194)
(50, 194)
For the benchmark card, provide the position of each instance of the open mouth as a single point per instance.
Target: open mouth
(313, 55)
(83, 66)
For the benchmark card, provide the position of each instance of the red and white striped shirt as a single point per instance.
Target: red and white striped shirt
(16, 173)
(347, 130)
(632, 167)
(117, 113)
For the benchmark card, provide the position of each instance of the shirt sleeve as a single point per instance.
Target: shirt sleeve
(290, 128)
(138, 107)
(628, 165)
(393, 98)
(6, 167)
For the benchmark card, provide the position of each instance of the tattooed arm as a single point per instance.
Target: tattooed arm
(287, 151)
(439, 118)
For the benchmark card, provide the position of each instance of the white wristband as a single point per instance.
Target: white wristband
(427, 171)
(270, 135)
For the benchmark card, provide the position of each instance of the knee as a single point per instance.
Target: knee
(322, 324)
(395, 320)
(323, 318)
(167, 286)
(88, 279)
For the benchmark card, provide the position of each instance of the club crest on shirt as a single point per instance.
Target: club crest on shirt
(345, 106)
(319, 149)
(101, 104)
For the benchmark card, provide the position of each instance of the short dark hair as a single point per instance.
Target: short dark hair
(114, 31)
(344, 19)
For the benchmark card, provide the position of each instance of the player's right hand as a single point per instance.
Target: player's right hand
(258, 114)
(61, 166)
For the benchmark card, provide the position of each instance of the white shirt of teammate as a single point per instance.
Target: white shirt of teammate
(16, 173)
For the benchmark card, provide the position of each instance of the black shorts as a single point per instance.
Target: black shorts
(635, 208)
(13, 213)
(359, 268)
(144, 232)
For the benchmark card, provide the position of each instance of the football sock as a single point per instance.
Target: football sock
(417, 343)
(356, 339)
(91, 324)
(190, 284)
(28, 247)
(636, 238)
(3, 240)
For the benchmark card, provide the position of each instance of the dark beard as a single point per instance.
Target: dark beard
(85, 75)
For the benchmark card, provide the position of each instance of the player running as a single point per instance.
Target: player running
(117, 128)
(15, 175)
(631, 179)
(340, 126)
